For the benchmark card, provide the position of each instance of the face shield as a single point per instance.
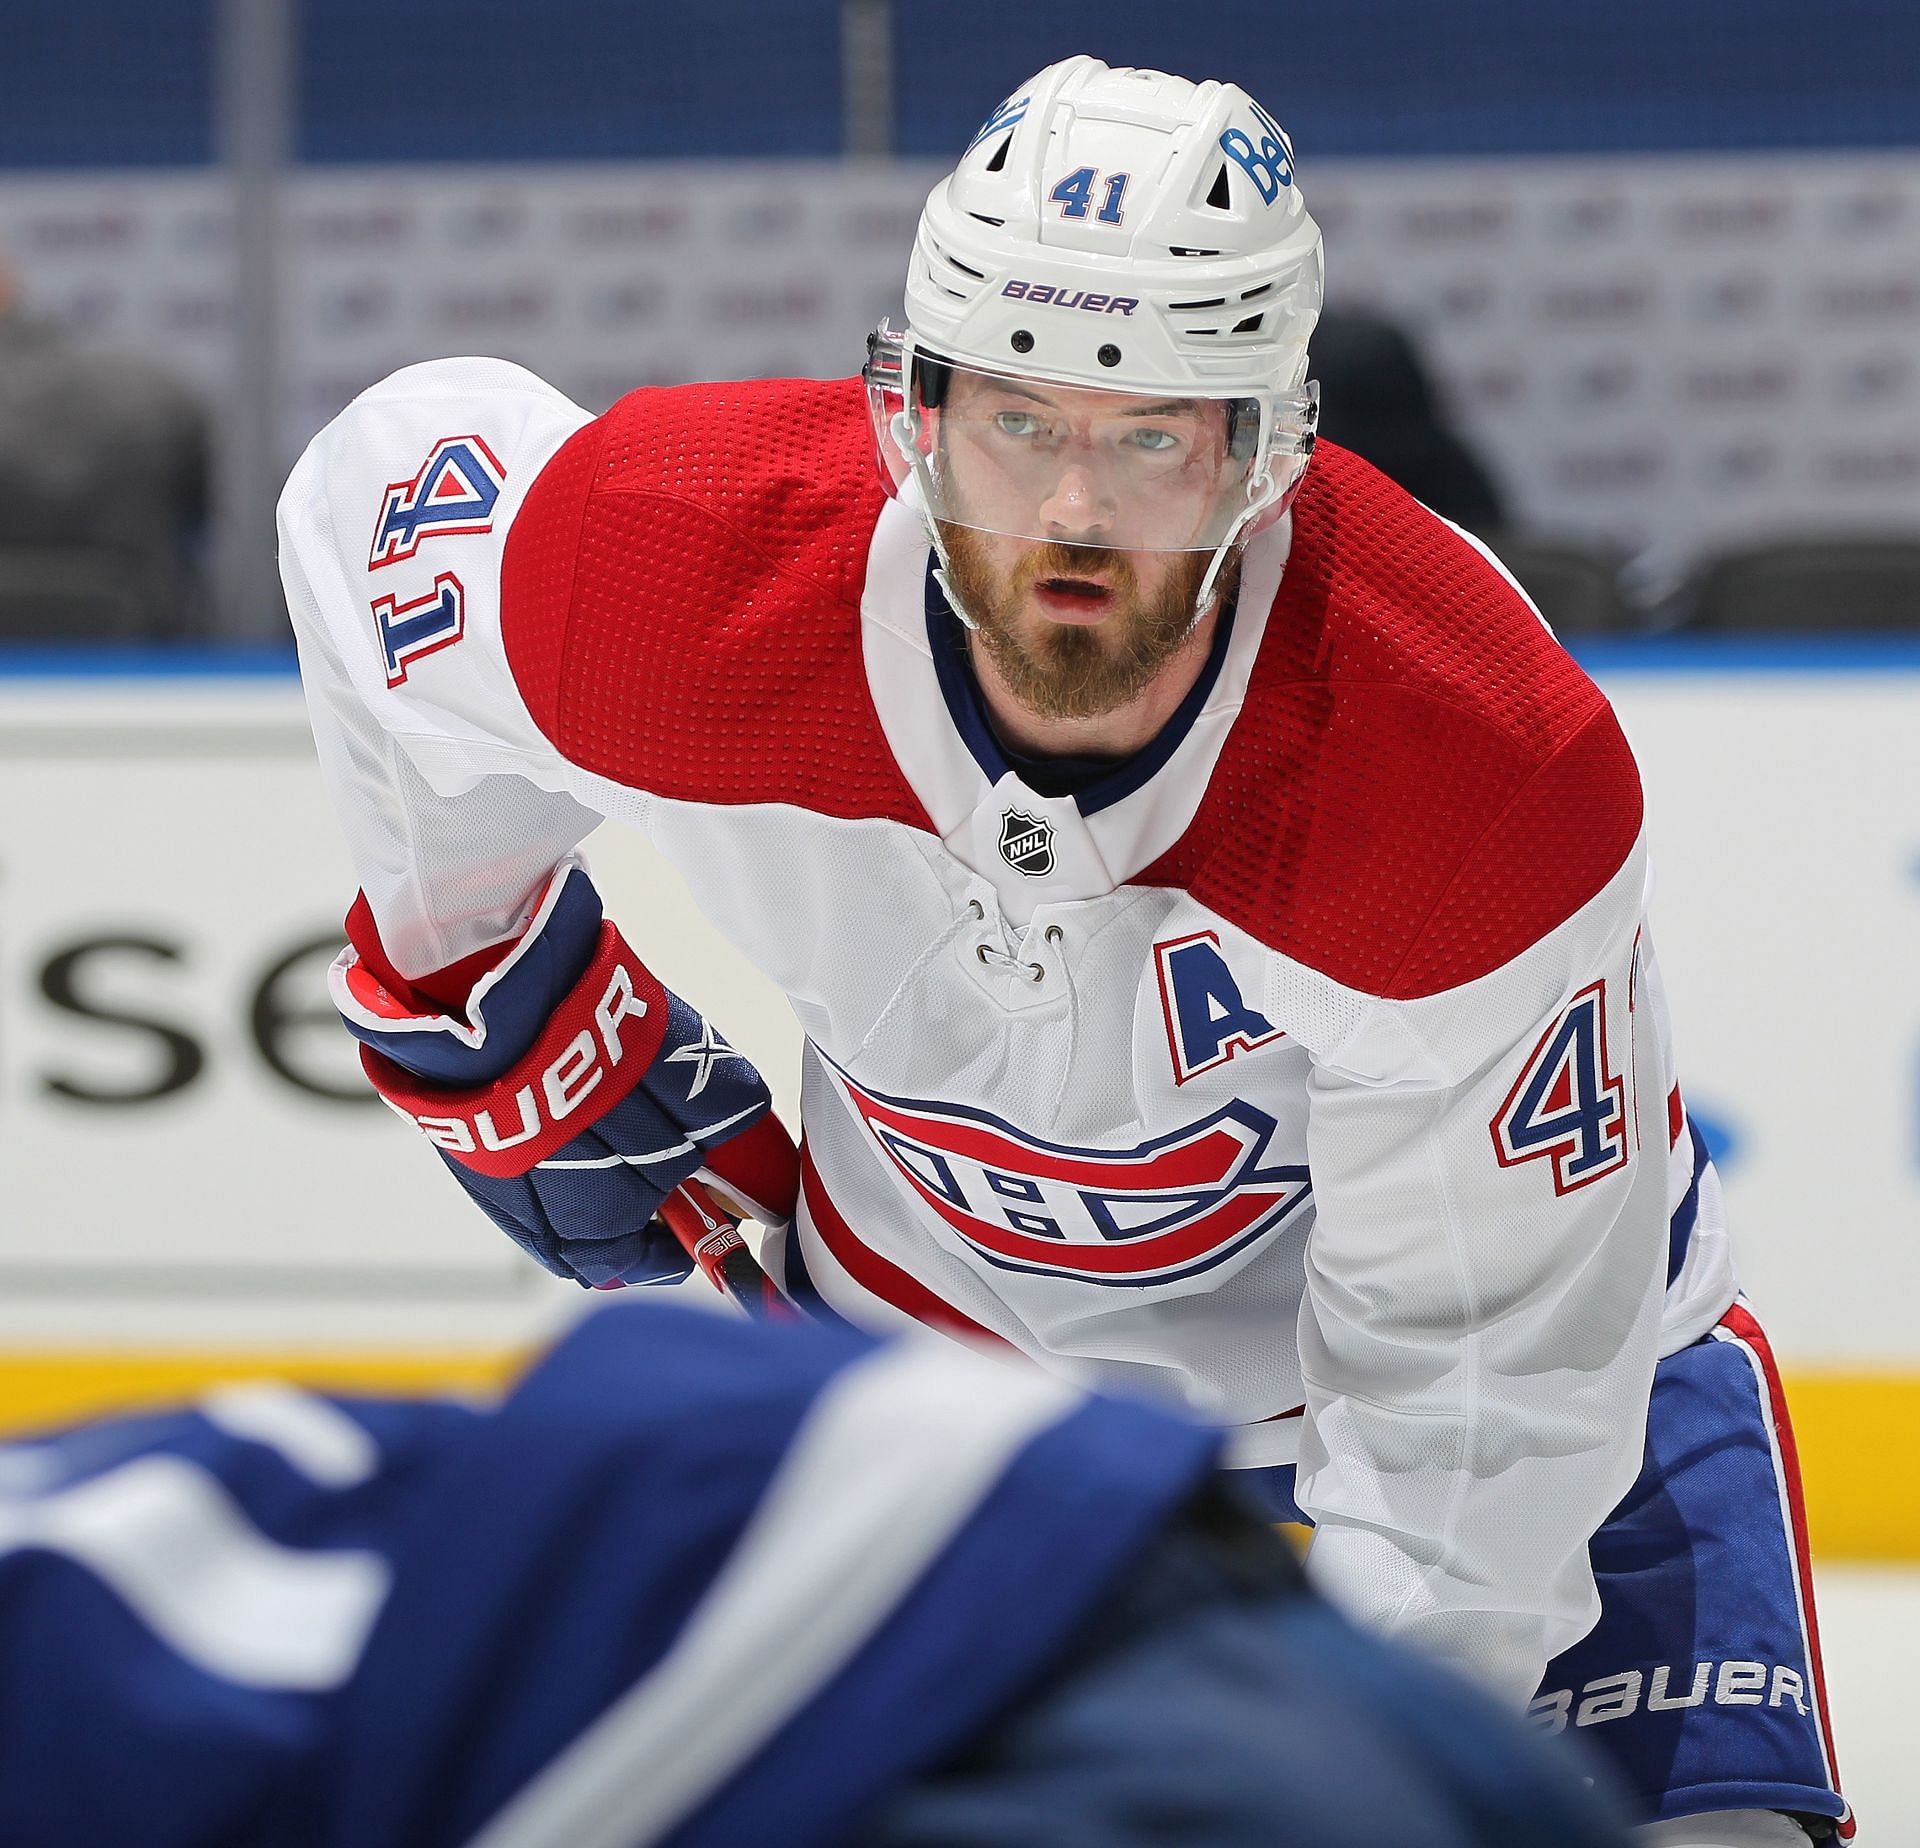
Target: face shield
(1138, 471)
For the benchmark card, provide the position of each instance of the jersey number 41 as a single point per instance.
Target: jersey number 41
(1567, 1107)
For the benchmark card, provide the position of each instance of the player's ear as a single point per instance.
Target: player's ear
(1268, 516)
(1275, 509)
(913, 434)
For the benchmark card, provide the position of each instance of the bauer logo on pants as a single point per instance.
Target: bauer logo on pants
(1026, 843)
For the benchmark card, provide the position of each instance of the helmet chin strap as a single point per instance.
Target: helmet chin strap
(944, 578)
(1261, 495)
(904, 435)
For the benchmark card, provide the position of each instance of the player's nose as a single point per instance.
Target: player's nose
(1080, 505)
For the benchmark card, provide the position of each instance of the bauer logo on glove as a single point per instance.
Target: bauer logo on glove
(570, 1092)
(502, 1131)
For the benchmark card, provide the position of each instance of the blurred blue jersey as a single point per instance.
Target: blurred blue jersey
(709, 1583)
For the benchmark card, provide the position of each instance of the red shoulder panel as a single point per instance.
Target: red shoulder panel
(680, 599)
(1421, 783)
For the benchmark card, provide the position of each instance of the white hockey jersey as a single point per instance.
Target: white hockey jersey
(1310, 1070)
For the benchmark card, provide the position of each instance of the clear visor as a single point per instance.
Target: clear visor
(1079, 465)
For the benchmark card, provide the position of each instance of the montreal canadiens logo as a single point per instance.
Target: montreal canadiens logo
(1162, 1210)
(1026, 843)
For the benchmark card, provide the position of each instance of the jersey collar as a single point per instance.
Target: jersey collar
(967, 707)
(936, 728)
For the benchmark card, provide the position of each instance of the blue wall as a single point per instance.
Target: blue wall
(128, 82)
(1474, 76)
(567, 79)
(105, 84)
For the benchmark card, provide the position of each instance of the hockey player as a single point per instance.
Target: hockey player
(699, 1582)
(1213, 901)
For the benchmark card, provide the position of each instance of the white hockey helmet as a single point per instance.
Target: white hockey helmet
(1138, 241)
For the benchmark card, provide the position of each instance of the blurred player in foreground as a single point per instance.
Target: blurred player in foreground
(706, 1583)
(1213, 901)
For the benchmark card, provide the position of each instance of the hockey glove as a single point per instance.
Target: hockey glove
(571, 1092)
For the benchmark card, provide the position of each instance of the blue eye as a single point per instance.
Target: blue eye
(1016, 423)
(1157, 442)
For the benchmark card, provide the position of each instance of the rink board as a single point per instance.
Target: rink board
(1859, 1460)
(193, 1186)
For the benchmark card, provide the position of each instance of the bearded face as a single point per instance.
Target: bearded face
(1079, 525)
(1076, 631)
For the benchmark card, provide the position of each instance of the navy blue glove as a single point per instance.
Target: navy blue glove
(571, 1093)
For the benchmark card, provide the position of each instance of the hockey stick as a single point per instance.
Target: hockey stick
(711, 1236)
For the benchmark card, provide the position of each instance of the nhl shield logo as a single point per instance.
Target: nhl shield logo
(1026, 843)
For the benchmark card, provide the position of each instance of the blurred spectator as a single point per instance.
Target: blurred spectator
(1377, 399)
(103, 488)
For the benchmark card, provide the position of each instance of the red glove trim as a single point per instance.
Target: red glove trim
(594, 1050)
(759, 1169)
(442, 991)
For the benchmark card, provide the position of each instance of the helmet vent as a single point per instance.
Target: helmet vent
(1225, 316)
